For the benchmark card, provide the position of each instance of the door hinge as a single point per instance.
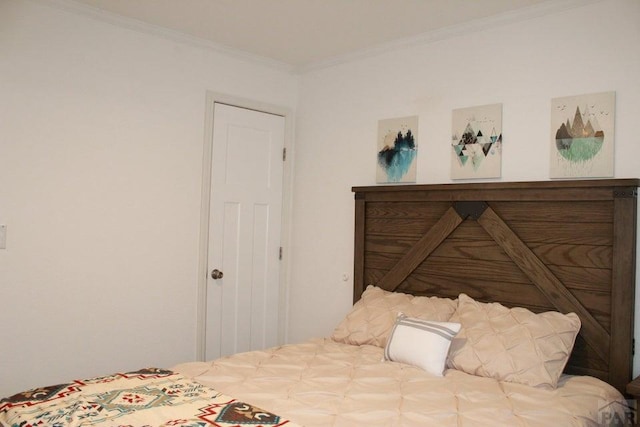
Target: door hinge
(280, 254)
(633, 346)
(284, 154)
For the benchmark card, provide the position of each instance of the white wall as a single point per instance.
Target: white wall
(522, 65)
(101, 138)
(101, 135)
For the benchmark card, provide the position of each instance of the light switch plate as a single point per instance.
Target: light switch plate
(3, 236)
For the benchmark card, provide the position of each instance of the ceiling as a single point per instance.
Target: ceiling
(303, 33)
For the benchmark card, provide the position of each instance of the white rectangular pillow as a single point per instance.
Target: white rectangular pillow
(421, 343)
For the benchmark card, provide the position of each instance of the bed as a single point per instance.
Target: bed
(485, 304)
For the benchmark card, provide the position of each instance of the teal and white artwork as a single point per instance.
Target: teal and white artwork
(582, 129)
(397, 150)
(476, 142)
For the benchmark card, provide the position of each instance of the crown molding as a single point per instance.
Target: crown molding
(546, 8)
(162, 32)
(542, 9)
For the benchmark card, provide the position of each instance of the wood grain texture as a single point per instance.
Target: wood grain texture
(555, 291)
(421, 250)
(359, 244)
(553, 245)
(624, 273)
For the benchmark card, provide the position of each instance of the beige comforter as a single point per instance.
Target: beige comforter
(325, 383)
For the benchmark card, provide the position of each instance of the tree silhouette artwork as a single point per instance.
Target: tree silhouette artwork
(397, 160)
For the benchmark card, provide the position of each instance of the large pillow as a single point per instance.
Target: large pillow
(514, 345)
(421, 343)
(372, 317)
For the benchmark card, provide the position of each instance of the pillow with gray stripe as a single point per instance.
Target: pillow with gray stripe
(421, 343)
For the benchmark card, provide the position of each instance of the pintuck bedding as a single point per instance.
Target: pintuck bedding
(395, 360)
(325, 383)
(454, 362)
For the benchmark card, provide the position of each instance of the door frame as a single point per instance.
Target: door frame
(213, 98)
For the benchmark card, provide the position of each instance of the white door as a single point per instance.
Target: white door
(245, 226)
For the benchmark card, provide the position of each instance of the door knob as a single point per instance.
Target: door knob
(216, 274)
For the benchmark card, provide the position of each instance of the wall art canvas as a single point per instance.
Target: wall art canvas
(582, 136)
(397, 150)
(476, 142)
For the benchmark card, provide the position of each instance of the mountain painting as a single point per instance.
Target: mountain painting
(476, 142)
(582, 136)
(397, 150)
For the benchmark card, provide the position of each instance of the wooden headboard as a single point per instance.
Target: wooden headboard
(568, 246)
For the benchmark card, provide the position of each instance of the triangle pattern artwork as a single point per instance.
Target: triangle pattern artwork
(475, 155)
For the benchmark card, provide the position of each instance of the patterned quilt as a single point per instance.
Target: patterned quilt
(148, 397)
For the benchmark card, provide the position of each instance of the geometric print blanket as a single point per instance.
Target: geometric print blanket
(149, 397)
